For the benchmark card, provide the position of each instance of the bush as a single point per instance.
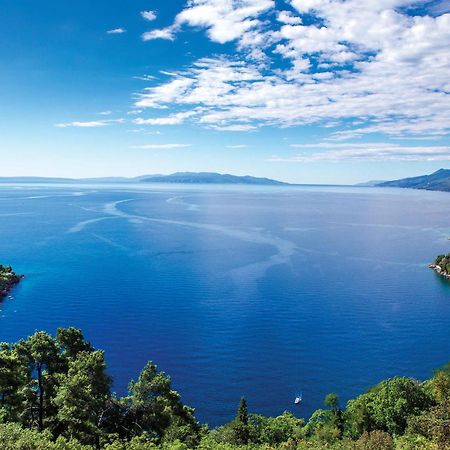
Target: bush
(414, 442)
(376, 440)
(387, 407)
(14, 437)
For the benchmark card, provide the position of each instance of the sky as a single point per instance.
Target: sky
(304, 91)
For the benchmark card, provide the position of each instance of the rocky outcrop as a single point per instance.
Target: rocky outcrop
(440, 271)
(8, 279)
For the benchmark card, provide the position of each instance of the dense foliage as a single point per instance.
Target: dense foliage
(60, 386)
(55, 394)
(7, 279)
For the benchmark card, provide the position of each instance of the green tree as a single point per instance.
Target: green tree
(242, 415)
(71, 342)
(283, 428)
(240, 427)
(388, 406)
(13, 380)
(157, 409)
(82, 397)
(332, 401)
(440, 385)
(396, 400)
(42, 356)
(358, 418)
(377, 440)
(319, 419)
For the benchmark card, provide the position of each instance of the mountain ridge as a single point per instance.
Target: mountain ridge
(437, 181)
(175, 178)
(210, 178)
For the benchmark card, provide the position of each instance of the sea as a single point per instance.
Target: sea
(256, 291)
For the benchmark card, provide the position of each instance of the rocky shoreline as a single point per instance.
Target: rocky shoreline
(439, 271)
(8, 279)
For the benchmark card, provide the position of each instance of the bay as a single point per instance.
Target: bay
(255, 291)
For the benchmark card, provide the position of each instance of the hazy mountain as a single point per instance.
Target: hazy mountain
(209, 178)
(180, 177)
(35, 180)
(437, 181)
(370, 183)
(69, 180)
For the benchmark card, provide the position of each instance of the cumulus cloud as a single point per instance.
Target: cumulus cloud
(148, 15)
(365, 67)
(224, 20)
(287, 17)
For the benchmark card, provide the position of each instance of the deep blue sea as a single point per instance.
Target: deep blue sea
(255, 291)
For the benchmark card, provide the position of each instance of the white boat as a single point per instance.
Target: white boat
(298, 400)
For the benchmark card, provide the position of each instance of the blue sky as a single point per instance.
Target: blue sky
(313, 91)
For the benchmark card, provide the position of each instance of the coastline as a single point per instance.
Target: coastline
(12, 280)
(439, 271)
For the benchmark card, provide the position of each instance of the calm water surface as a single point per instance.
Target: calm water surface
(262, 292)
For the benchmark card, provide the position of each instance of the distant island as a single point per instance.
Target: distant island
(441, 266)
(177, 178)
(437, 181)
(8, 279)
(210, 178)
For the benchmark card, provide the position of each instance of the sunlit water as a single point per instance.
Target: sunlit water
(261, 292)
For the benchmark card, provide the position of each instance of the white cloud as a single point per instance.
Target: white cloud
(167, 34)
(287, 17)
(161, 146)
(366, 152)
(164, 94)
(237, 146)
(352, 61)
(116, 31)
(89, 124)
(173, 119)
(148, 15)
(225, 20)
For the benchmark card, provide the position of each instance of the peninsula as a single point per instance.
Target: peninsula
(8, 279)
(441, 266)
(437, 181)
